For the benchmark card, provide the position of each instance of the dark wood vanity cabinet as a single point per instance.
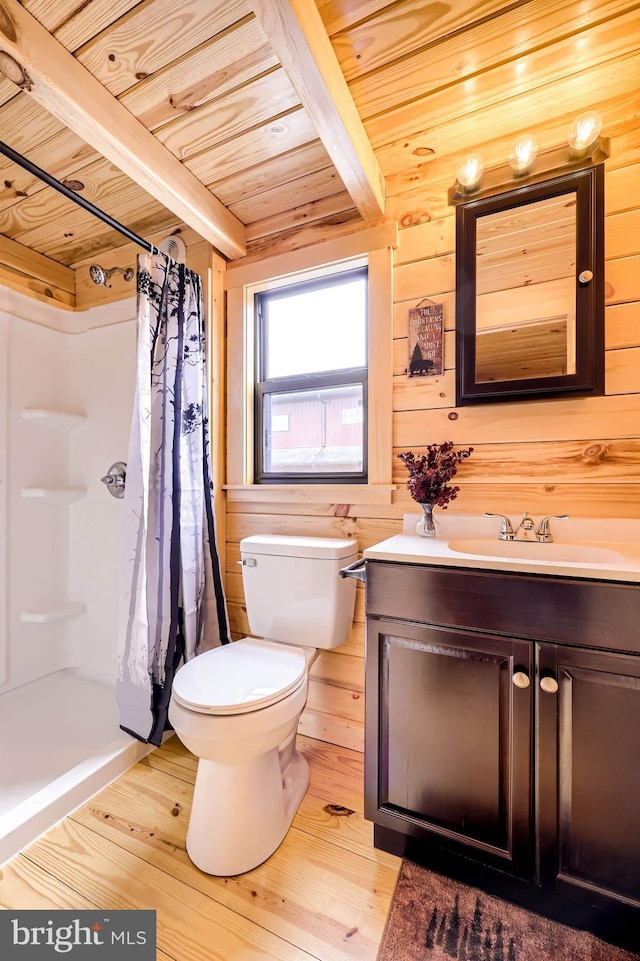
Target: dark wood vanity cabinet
(588, 802)
(453, 756)
(503, 728)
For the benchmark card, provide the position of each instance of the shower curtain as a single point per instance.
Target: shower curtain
(172, 604)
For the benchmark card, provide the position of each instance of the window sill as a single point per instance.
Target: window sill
(310, 493)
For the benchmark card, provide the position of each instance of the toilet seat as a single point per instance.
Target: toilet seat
(240, 677)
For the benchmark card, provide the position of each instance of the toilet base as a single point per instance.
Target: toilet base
(242, 812)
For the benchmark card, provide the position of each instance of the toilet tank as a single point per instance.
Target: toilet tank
(292, 589)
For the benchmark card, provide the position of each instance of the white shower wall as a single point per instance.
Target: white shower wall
(65, 552)
(37, 531)
(102, 381)
(59, 736)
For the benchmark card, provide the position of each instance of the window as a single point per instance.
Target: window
(366, 248)
(311, 386)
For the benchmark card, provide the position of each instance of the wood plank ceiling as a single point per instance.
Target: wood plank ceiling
(429, 80)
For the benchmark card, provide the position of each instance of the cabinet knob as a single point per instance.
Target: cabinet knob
(549, 684)
(521, 679)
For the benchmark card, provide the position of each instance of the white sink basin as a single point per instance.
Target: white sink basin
(533, 551)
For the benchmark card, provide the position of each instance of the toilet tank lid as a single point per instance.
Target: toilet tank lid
(283, 546)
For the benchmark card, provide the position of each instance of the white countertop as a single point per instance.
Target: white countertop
(621, 536)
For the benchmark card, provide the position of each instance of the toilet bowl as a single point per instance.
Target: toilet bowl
(237, 707)
(250, 777)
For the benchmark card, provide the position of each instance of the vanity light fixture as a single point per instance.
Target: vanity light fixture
(584, 131)
(528, 164)
(470, 171)
(523, 153)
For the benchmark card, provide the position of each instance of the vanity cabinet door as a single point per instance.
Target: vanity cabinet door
(589, 777)
(448, 740)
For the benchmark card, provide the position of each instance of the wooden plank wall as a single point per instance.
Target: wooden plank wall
(35, 275)
(580, 457)
(125, 256)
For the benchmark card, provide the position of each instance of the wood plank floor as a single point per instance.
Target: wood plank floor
(323, 895)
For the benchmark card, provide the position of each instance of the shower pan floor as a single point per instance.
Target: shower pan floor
(60, 744)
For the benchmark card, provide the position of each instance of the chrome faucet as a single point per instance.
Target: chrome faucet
(506, 530)
(543, 533)
(525, 528)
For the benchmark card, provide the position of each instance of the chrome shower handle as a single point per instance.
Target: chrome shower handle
(115, 479)
(112, 481)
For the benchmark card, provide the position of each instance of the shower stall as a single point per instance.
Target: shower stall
(66, 393)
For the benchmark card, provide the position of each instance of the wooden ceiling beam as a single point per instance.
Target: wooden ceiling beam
(30, 262)
(295, 30)
(56, 80)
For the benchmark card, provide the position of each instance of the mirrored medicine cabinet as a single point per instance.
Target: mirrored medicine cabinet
(530, 290)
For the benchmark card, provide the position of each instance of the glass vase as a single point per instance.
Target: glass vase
(425, 526)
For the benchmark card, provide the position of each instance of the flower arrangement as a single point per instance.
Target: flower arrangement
(430, 473)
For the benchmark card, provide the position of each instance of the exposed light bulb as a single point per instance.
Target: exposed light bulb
(470, 172)
(523, 153)
(584, 130)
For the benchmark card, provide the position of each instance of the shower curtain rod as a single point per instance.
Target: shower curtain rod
(72, 195)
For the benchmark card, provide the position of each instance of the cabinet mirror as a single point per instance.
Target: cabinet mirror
(530, 290)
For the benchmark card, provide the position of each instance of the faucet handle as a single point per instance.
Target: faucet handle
(506, 530)
(543, 532)
(527, 523)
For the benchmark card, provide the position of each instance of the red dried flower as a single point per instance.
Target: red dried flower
(430, 473)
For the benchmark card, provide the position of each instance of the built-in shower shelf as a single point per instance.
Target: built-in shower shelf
(56, 419)
(63, 613)
(56, 495)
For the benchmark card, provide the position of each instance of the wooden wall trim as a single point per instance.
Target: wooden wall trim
(345, 494)
(361, 241)
(240, 353)
(27, 261)
(37, 289)
(380, 400)
(211, 267)
(240, 379)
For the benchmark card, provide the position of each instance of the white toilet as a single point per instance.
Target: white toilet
(237, 707)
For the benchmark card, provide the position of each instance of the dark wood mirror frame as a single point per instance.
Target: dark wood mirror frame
(588, 379)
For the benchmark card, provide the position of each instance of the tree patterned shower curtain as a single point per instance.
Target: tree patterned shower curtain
(173, 603)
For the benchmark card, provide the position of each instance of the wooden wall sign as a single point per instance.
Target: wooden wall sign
(426, 340)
